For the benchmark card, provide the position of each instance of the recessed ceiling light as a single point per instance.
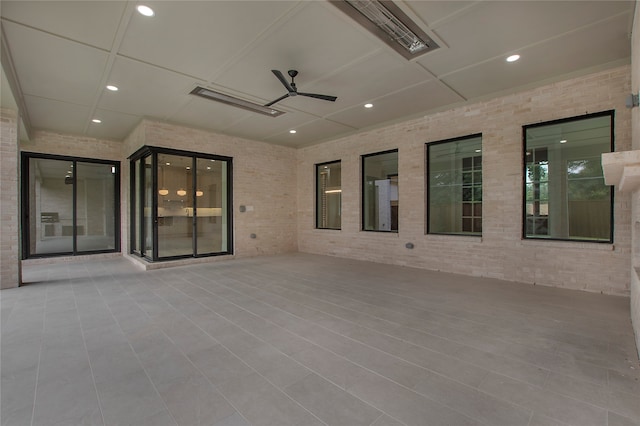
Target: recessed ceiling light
(368, 105)
(168, 164)
(292, 131)
(478, 150)
(112, 88)
(208, 168)
(513, 58)
(188, 168)
(145, 10)
(563, 141)
(97, 121)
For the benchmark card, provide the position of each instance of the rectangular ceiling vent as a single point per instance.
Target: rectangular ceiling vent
(389, 23)
(236, 102)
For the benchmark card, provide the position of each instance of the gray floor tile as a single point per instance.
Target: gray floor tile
(350, 342)
(331, 404)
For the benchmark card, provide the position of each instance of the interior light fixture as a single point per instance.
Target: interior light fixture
(181, 192)
(293, 131)
(163, 191)
(145, 10)
(563, 141)
(478, 150)
(199, 193)
(112, 88)
(236, 102)
(96, 120)
(389, 23)
(513, 58)
(332, 191)
(368, 105)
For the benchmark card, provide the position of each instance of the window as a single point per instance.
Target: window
(454, 198)
(180, 204)
(380, 191)
(71, 205)
(565, 196)
(328, 195)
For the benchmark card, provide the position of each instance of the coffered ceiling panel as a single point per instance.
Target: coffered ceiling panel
(145, 90)
(198, 37)
(48, 114)
(61, 55)
(90, 22)
(422, 97)
(54, 68)
(559, 56)
(509, 26)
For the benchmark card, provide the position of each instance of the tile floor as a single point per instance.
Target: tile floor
(309, 340)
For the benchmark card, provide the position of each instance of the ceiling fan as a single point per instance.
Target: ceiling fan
(292, 90)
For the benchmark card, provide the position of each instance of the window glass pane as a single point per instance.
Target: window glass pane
(148, 207)
(329, 195)
(175, 209)
(455, 186)
(380, 192)
(137, 205)
(565, 193)
(95, 206)
(51, 206)
(211, 196)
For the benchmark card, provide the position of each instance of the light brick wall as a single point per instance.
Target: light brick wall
(635, 129)
(264, 178)
(501, 252)
(9, 213)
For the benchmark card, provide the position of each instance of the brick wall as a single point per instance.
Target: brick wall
(501, 252)
(9, 228)
(635, 128)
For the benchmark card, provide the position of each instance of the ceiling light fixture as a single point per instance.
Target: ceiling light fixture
(513, 58)
(145, 10)
(181, 192)
(389, 23)
(112, 88)
(293, 131)
(236, 102)
(563, 141)
(199, 193)
(368, 105)
(97, 121)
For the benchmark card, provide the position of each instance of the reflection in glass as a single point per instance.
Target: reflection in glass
(175, 210)
(380, 192)
(51, 205)
(95, 206)
(328, 195)
(211, 208)
(71, 206)
(455, 186)
(564, 190)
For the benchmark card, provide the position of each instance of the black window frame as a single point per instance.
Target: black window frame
(317, 173)
(428, 145)
(153, 152)
(25, 156)
(362, 190)
(524, 236)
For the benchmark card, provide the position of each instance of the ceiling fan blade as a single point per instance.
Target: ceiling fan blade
(277, 100)
(284, 81)
(323, 97)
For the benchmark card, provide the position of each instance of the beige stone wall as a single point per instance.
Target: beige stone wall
(9, 200)
(264, 180)
(501, 252)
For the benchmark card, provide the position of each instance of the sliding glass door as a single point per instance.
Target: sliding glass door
(181, 204)
(70, 205)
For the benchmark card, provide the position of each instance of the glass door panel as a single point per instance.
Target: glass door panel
(211, 215)
(51, 206)
(148, 207)
(95, 206)
(175, 207)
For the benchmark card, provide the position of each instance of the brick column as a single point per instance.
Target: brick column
(10, 273)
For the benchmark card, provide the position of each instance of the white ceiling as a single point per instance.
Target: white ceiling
(63, 53)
